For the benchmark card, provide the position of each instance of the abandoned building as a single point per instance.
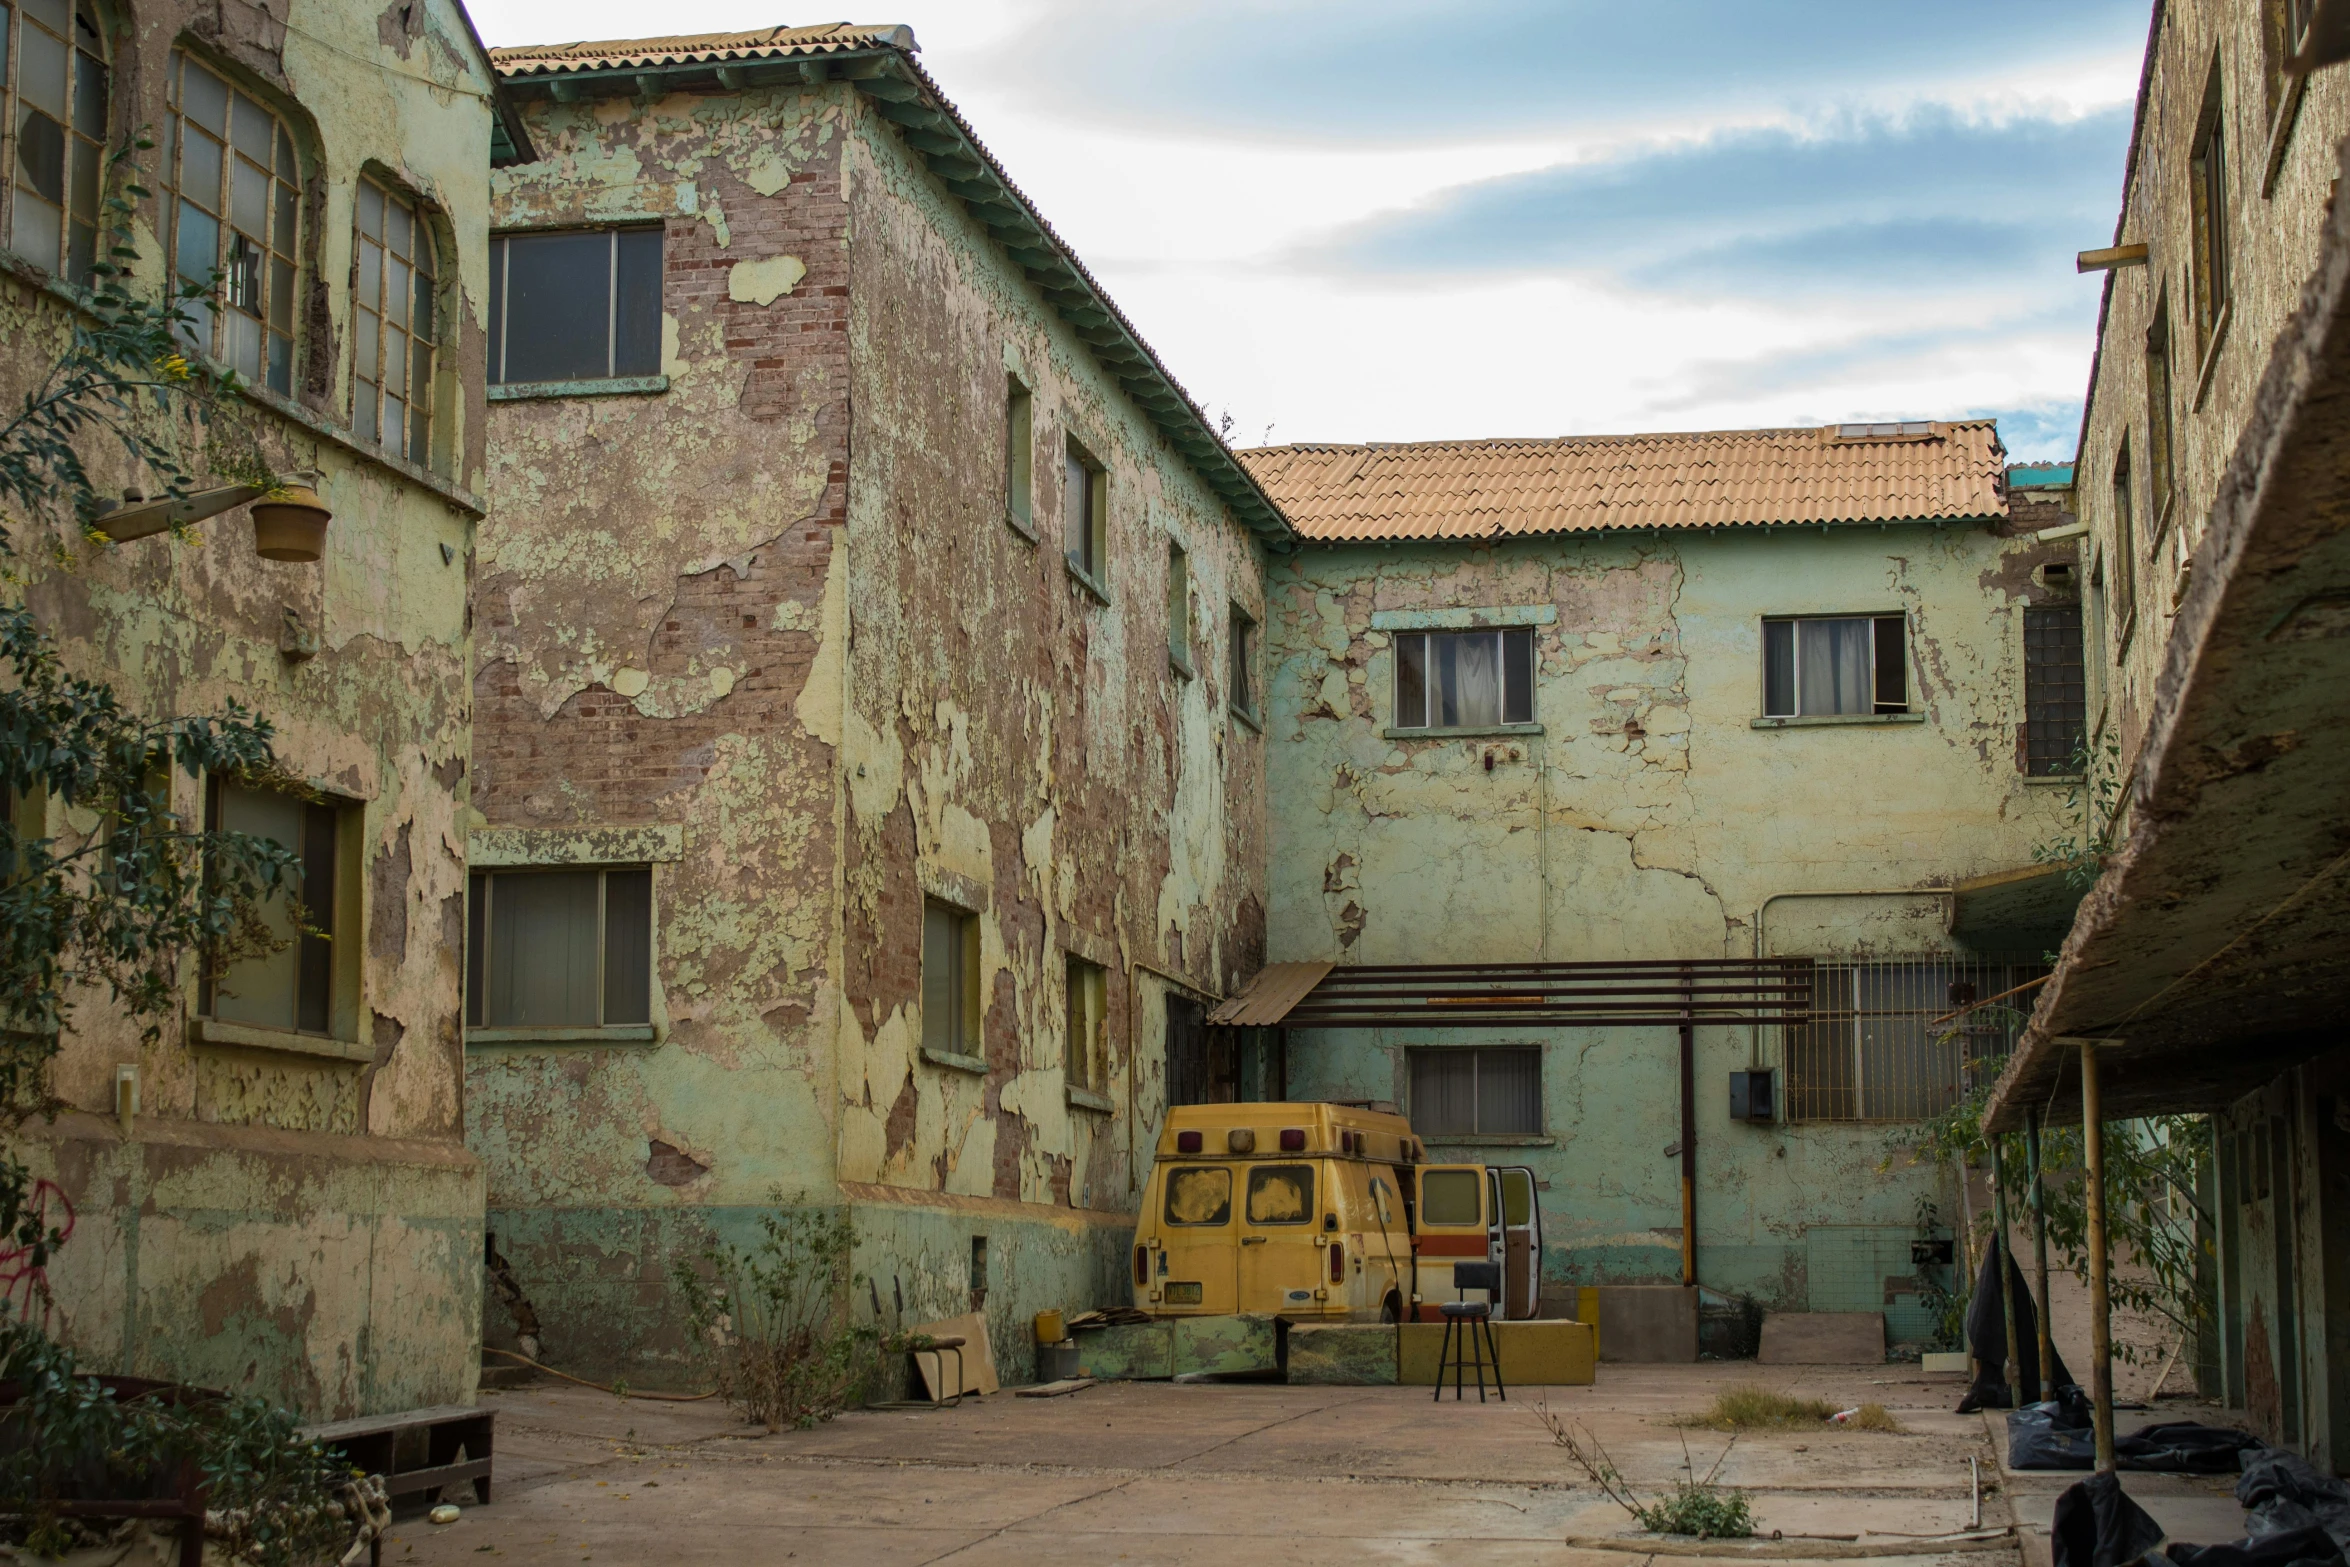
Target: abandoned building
(2207, 971)
(869, 767)
(274, 1193)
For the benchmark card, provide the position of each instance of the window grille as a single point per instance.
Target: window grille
(1882, 1045)
(2056, 692)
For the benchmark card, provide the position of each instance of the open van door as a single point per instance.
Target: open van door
(1451, 1225)
(1519, 1218)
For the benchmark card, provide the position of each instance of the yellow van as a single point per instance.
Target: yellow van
(1323, 1212)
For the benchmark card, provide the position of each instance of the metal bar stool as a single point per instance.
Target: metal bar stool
(1468, 1331)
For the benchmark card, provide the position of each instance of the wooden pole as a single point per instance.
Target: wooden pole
(2100, 1303)
(2040, 1250)
(2013, 1371)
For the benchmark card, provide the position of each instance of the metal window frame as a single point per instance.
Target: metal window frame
(490, 876)
(501, 278)
(1795, 674)
(1476, 1054)
(1427, 636)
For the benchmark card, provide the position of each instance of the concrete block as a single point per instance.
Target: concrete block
(1341, 1354)
(1171, 1346)
(1944, 1363)
(1127, 1351)
(1647, 1322)
(1823, 1338)
(1532, 1354)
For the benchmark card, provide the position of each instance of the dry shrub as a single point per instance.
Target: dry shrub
(1751, 1407)
(776, 1319)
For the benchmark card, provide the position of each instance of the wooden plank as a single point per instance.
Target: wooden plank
(407, 1481)
(2108, 259)
(1054, 1389)
(402, 1420)
(1265, 1000)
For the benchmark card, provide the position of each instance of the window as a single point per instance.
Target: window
(569, 948)
(54, 133)
(2056, 692)
(2287, 24)
(1464, 679)
(1244, 658)
(232, 179)
(293, 987)
(2207, 172)
(1451, 1197)
(1020, 458)
(582, 306)
(1087, 1064)
(1881, 1044)
(950, 979)
(393, 282)
(1281, 1194)
(2160, 472)
(1823, 666)
(1199, 1194)
(1484, 1092)
(1086, 499)
(2124, 581)
(1178, 607)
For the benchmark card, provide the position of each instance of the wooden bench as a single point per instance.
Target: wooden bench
(372, 1443)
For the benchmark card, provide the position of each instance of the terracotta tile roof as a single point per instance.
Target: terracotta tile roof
(765, 43)
(1585, 483)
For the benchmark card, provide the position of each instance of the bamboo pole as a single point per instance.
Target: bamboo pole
(2040, 1251)
(2100, 1303)
(2012, 1372)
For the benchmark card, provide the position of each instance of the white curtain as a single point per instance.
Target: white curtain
(1837, 665)
(1469, 675)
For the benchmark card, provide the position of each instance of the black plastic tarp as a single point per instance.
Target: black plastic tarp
(2097, 1525)
(2058, 1435)
(1986, 1331)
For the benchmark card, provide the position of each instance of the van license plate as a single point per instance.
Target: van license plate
(1182, 1295)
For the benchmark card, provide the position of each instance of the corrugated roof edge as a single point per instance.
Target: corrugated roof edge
(900, 91)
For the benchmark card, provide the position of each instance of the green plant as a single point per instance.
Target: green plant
(2153, 1217)
(1707, 1511)
(2091, 807)
(1941, 1286)
(783, 1344)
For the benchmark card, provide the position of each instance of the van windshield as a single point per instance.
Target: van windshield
(1281, 1194)
(1199, 1194)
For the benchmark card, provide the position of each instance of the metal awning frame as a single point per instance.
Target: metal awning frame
(1616, 993)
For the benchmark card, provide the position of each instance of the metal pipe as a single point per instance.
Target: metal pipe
(2039, 1248)
(2013, 1371)
(2100, 1303)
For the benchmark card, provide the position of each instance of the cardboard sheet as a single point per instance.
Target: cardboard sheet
(978, 1356)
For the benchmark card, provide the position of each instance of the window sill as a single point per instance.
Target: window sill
(285, 1041)
(2162, 516)
(954, 1062)
(327, 430)
(1256, 724)
(1182, 666)
(1495, 1140)
(1087, 1099)
(2052, 780)
(1461, 734)
(601, 386)
(2219, 338)
(2281, 133)
(1026, 530)
(624, 1034)
(1085, 580)
(1823, 720)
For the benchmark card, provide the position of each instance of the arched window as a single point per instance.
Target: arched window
(55, 131)
(392, 324)
(229, 184)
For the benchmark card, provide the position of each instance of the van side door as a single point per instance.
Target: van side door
(1449, 1226)
(1521, 1242)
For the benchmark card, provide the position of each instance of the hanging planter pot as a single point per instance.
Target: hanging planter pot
(289, 523)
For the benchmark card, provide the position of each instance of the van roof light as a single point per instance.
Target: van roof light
(1293, 1139)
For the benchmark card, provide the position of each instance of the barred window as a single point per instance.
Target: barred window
(2056, 693)
(53, 134)
(392, 358)
(1883, 1043)
(230, 194)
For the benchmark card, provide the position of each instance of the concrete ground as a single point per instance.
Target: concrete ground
(1148, 1473)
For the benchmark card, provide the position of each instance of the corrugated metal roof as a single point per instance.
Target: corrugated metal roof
(1589, 483)
(1265, 1000)
(765, 43)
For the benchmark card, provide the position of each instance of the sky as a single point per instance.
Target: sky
(1388, 220)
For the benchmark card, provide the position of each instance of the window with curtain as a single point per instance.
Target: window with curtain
(1464, 679)
(1830, 666)
(392, 293)
(231, 186)
(578, 306)
(54, 131)
(568, 948)
(950, 979)
(292, 987)
(1486, 1091)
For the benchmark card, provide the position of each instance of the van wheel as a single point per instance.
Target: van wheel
(1391, 1309)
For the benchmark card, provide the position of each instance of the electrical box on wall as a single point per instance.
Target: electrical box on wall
(1754, 1095)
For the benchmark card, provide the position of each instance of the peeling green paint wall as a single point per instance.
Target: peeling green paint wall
(1647, 818)
(301, 1220)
